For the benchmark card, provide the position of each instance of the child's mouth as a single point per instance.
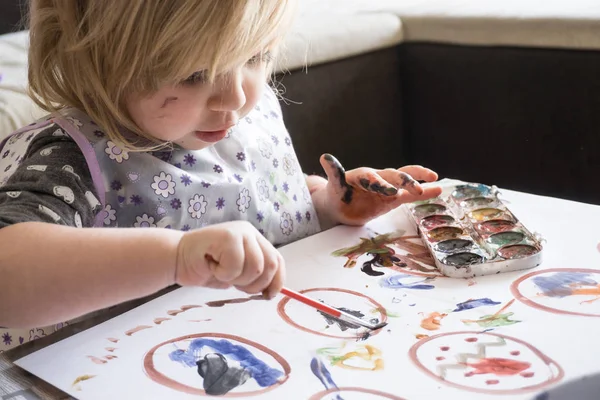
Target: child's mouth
(211, 136)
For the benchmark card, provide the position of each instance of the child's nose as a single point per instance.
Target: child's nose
(228, 94)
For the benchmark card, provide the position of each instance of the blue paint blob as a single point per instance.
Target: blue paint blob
(474, 303)
(263, 374)
(394, 282)
(561, 284)
(321, 372)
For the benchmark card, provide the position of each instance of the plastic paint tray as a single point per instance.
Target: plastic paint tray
(471, 232)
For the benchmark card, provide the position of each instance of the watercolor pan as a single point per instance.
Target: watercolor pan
(470, 232)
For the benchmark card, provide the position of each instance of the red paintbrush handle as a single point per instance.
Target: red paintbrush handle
(311, 302)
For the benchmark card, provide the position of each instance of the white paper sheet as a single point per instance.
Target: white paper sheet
(467, 328)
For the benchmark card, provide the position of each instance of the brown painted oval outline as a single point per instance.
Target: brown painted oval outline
(320, 395)
(286, 318)
(514, 289)
(161, 379)
(412, 353)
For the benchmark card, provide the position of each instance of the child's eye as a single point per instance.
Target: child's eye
(260, 57)
(196, 77)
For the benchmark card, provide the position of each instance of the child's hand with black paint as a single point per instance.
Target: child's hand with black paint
(355, 197)
(230, 254)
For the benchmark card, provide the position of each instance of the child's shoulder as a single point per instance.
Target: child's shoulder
(37, 138)
(48, 143)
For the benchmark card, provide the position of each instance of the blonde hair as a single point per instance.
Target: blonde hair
(92, 54)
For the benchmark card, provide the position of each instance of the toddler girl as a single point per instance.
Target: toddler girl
(160, 117)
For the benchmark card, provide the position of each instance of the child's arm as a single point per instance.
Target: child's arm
(360, 195)
(52, 273)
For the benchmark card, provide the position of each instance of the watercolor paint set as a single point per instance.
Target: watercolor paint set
(471, 232)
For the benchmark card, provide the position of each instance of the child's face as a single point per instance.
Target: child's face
(196, 114)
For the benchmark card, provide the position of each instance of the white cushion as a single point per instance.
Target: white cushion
(16, 108)
(318, 38)
(573, 24)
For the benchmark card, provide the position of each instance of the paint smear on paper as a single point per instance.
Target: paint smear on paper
(97, 360)
(389, 313)
(495, 320)
(362, 358)
(395, 282)
(474, 303)
(421, 336)
(383, 256)
(221, 303)
(343, 325)
(110, 357)
(322, 373)
(137, 329)
(159, 321)
(200, 320)
(497, 366)
(223, 349)
(114, 340)
(220, 377)
(563, 284)
(111, 349)
(80, 379)
(182, 309)
(433, 321)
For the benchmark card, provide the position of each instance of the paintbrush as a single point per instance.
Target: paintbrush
(349, 318)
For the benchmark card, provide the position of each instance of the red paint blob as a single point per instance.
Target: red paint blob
(515, 353)
(444, 348)
(527, 374)
(499, 366)
(469, 374)
(492, 381)
(471, 339)
(440, 358)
